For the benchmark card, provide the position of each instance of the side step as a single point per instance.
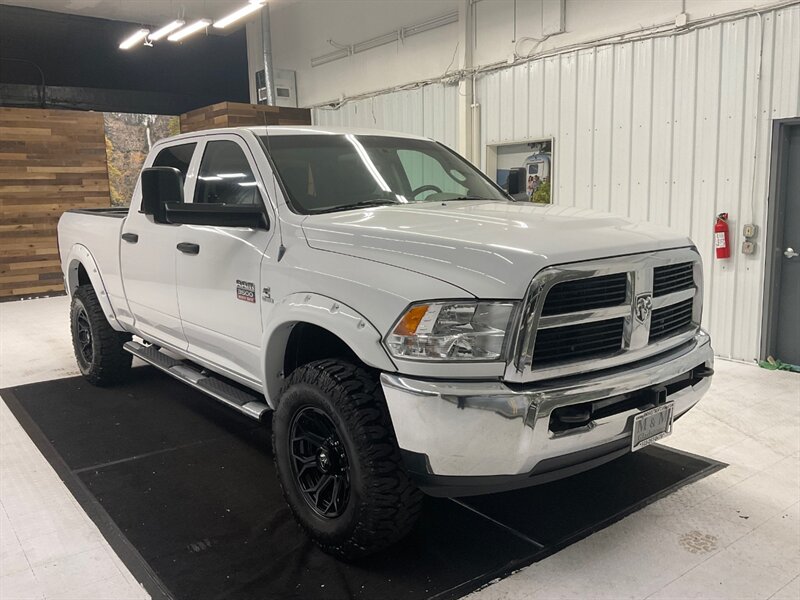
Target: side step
(248, 403)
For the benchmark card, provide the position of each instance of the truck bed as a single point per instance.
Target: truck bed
(96, 230)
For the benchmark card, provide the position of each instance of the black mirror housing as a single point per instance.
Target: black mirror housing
(220, 215)
(160, 185)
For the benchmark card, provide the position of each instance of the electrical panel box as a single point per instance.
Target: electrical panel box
(285, 87)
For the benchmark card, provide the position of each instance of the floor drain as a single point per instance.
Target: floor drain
(698, 543)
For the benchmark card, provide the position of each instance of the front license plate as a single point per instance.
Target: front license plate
(652, 425)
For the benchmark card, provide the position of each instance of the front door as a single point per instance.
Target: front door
(787, 332)
(218, 270)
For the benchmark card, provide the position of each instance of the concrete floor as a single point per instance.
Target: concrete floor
(735, 534)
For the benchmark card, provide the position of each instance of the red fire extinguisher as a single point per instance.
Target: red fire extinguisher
(722, 236)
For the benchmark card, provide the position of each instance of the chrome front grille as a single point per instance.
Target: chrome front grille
(599, 314)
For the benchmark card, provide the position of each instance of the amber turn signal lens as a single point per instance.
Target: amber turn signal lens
(410, 321)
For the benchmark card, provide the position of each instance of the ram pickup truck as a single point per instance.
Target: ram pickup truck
(411, 328)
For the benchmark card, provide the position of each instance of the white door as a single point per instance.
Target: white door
(148, 260)
(218, 270)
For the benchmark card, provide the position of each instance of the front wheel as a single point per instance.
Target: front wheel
(98, 346)
(338, 461)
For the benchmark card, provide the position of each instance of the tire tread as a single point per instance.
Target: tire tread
(391, 501)
(111, 363)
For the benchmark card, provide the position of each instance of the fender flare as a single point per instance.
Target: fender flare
(80, 255)
(340, 319)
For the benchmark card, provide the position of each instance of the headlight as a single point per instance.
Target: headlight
(452, 331)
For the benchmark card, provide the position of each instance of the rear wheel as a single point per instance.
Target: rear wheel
(338, 462)
(98, 347)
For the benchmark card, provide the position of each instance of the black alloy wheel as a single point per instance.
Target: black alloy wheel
(338, 461)
(319, 462)
(83, 337)
(99, 348)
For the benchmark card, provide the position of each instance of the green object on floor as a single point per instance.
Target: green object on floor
(773, 364)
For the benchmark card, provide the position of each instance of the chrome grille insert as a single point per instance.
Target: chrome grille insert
(585, 294)
(587, 339)
(672, 278)
(670, 319)
(600, 314)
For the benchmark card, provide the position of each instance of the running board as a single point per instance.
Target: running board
(250, 404)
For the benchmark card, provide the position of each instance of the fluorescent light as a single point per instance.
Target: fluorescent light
(167, 29)
(189, 30)
(134, 39)
(238, 14)
(231, 175)
(381, 40)
(330, 57)
(440, 21)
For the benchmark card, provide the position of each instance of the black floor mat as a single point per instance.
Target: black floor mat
(185, 491)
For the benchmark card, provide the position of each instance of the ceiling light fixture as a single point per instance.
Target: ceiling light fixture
(252, 7)
(166, 30)
(189, 30)
(137, 37)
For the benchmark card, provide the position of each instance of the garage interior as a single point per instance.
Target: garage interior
(684, 114)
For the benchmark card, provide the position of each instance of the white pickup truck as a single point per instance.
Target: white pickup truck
(411, 326)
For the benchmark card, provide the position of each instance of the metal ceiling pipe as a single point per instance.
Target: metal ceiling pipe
(266, 44)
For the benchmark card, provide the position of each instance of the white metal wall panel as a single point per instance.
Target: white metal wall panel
(603, 130)
(584, 127)
(672, 129)
(431, 110)
(620, 201)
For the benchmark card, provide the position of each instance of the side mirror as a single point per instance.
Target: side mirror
(516, 181)
(220, 215)
(160, 185)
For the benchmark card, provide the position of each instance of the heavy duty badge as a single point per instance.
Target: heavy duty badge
(246, 291)
(644, 305)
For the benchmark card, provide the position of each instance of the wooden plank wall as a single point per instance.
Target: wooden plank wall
(50, 161)
(235, 114)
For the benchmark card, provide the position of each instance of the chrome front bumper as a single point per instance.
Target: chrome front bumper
(489, 429)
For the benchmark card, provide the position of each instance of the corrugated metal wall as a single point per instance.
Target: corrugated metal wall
(431, 111)
(671, 129)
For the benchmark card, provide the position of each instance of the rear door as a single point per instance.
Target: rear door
(148, 258)
(218, 287)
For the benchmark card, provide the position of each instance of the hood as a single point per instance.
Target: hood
(489, 249)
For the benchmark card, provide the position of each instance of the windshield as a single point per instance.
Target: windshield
(326, 172)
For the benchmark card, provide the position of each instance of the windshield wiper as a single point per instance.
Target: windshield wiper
(361, 204)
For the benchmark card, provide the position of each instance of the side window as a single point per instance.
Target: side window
(225, 176)
(177, 157)
(422, 169)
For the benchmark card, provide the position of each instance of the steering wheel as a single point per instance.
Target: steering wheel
(425, 188)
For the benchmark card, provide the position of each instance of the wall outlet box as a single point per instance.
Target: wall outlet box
(748, 247)
(750, 230)
(681, 20)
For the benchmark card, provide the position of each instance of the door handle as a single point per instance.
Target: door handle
(131, 238)
(189, 248)
(790, 253)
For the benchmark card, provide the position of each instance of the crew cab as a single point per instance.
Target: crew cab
(413, 328)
